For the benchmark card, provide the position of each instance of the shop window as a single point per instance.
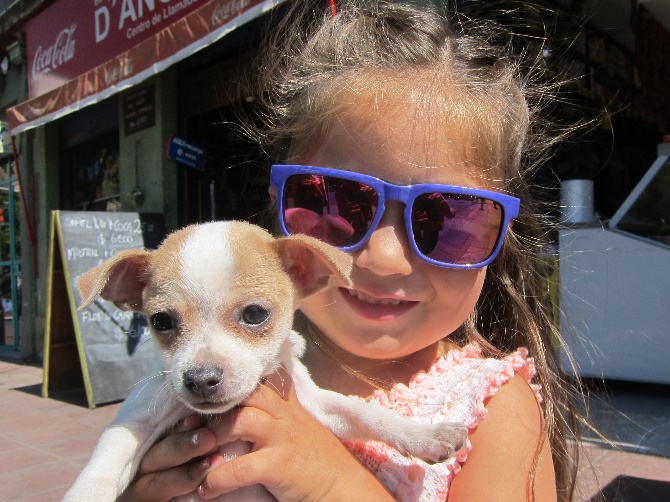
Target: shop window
(90, 175)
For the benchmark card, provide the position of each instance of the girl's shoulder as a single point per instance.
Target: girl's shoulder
(459, 387)
(507, 446)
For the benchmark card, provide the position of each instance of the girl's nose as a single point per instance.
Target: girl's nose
(388, 251)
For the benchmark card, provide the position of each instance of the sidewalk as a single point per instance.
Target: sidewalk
(45, 442)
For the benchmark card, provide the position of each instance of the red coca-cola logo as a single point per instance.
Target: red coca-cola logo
(223, 12)
(57, 54)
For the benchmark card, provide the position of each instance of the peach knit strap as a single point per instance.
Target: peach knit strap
(454, 389)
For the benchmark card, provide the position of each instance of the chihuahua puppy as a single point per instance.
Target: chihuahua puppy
(220, 299)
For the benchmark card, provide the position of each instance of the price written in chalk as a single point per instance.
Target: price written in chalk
(93, 222)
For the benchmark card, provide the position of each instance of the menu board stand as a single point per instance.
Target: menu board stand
(101, 347)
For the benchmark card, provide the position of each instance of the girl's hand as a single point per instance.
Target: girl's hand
(170, 468)
(293, 455)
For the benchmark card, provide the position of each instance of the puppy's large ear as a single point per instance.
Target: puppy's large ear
(120, 280)
(311, 263)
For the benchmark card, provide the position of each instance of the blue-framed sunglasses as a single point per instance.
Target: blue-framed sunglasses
(447, 226)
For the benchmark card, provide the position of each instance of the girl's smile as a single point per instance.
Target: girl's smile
(377, 307)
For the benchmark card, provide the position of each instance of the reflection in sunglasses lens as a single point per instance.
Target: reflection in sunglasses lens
(454, 228)
(334, 210)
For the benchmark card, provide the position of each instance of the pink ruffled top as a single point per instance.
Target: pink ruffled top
(453, 390)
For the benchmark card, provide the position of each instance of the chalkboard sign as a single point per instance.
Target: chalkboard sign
(102, 347)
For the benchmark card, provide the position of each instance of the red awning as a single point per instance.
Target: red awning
(195, 30)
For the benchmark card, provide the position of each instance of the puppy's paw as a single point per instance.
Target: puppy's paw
(452, 437)
(440, 442)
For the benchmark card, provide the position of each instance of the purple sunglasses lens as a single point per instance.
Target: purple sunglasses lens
(457, 229)
(448, 228)
(334, 210)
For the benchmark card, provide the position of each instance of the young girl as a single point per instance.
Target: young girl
(418, 136)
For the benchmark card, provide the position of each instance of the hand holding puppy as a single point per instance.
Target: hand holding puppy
(175, 464)
(315, 464)
(293, 455)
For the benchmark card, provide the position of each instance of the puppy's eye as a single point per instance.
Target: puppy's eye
(255, 315)
(162, 321)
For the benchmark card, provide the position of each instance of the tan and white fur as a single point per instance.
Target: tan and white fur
(220, 299)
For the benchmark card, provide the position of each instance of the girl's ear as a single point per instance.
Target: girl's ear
(310, 263)
(121, 280)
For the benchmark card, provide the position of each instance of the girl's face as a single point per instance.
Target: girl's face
(398, 304)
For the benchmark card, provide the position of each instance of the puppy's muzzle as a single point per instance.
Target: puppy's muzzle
(203, 381)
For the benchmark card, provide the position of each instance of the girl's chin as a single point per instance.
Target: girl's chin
(375, 311)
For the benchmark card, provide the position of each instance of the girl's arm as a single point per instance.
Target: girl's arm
(294, 456)
(504, 448)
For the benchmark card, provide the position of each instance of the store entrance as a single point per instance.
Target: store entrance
(233, 184)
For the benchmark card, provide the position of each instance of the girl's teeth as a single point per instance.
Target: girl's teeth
(374, 301)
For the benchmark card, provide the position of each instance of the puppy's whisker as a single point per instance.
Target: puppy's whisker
(147, 378)
(150, 405)
(273, 386)
(146, 381)
(279, 390)
(213, 419)
(283, 386)
(156, 398)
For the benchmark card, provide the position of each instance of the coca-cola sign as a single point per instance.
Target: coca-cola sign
(50, 58)
(71, 37)
(71, 63)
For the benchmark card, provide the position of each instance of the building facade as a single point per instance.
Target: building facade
(95, 93)
(101, 90)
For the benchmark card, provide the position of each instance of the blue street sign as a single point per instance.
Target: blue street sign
(180, 150)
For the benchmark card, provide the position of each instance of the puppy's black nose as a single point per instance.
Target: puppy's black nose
(203, 381)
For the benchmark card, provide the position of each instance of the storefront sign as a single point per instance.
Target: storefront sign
(82, 52)
(139, 109)
(71, 37)
(180, 150)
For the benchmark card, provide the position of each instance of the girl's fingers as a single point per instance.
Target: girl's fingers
(240, 472)
(190, 423)
(283, 436)
(249, 423)
(293, 455)
(167, 484)
(181, 447)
